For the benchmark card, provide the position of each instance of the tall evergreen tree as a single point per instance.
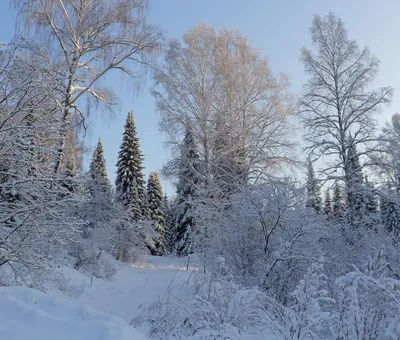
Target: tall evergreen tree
(390, 211)
(328, 208)
(130, 183)
(313, 190)
(370, 200)
(339, 203)
(169, 224)
(186, 193)
(355, 186)
(98, 169)
(136, 210)
(156, 212)
(99, 208)
(72, 161)
(390, 215)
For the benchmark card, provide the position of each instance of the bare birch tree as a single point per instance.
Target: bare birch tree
(184, 91)
(386, 161)
(86, 40)
(338, 105)
(252, 111)
(215, 84)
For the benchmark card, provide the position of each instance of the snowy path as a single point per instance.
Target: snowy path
(132, 287)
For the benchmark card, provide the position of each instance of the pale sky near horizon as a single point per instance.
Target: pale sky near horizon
(280, 28)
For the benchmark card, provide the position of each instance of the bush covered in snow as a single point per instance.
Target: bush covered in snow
(219, 308)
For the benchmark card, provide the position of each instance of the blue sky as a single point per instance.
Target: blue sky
(280, 28)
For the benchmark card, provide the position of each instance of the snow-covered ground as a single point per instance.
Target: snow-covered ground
(104, 309)
(28, 314)
(135, 286)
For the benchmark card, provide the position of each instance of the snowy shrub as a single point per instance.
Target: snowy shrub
(91, 259)
(310, 314)
(268, 238)
(130, 236)
(137, 256)
(217, 308)
(369, 303)
(32, 276)
(59, 281)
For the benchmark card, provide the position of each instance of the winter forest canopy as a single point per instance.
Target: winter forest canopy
(293, 239)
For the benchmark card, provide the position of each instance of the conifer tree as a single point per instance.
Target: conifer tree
(339, 203)
(370, 201)
(390, 211)
(169, 225)
(355, 187)
(98, 169)
(313, 191)
(135, 207)
(99, 208)
(156, 212)
(328, 209)
(130, 184)
(186, 193)
(390, 215)
(145, 209)
(72, 162)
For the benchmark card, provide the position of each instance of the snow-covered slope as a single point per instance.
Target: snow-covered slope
(28, 314)
(104, 309)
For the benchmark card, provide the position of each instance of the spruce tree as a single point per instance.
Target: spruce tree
(72, 162)
(156, 212)
(98, 169)
(135, 207)
(355, 187)
(313, 191)
(186, 194)
(390, 215)
(144, 209)
(339, 203)
(328, 208)
(370, 200)
(169, 224)
(130, 183)
(99, 208)
(390, 211)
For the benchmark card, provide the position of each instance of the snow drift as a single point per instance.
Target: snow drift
(28, 314)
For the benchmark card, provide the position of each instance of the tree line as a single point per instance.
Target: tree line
(325, 268)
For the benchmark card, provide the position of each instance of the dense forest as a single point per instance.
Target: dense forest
(277, 254)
